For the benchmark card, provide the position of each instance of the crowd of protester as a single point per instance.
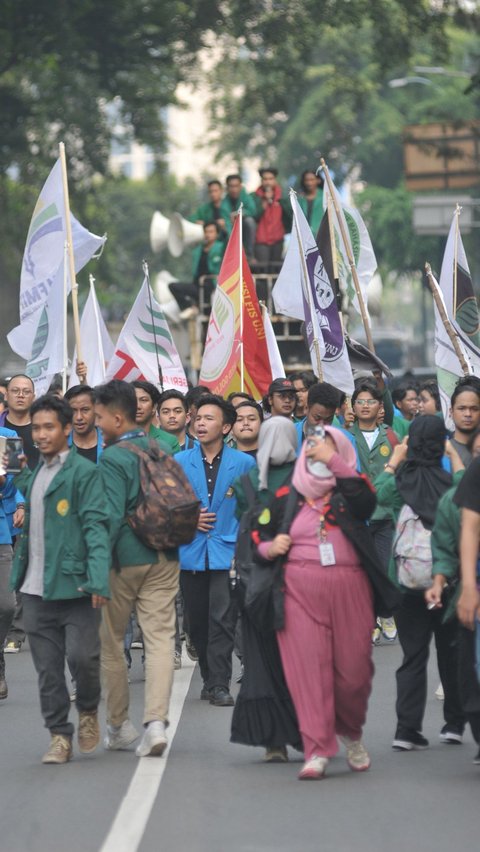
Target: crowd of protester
(326, 525)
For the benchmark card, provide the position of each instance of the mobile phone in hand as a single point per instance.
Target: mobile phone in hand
(13, 450)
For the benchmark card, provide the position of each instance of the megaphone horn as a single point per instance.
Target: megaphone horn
(182, 233)
(159, 231)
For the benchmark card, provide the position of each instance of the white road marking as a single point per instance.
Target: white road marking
(129, 825)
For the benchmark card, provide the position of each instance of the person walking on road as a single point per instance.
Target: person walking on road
(140, 577)
(332, 566)
(61, 567)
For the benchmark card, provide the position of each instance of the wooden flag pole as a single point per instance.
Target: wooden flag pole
(316, 343)
(240, 239)
(353, 268)
(446, 322)
(71, 259)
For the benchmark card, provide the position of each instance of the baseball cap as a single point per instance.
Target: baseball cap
(281, 386)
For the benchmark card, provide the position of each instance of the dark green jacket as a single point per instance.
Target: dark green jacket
(226, 208)
(77, 546)
(205, 213)
(167, 442)
(372, 462)
(119, 470)
(317, 210)
(277, 476)
(214, 257)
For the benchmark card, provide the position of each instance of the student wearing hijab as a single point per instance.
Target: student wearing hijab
(331, 576)
(264, 714)
(414, 477)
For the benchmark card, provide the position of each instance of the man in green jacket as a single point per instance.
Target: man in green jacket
(237, 195)
(148, 398)
(61, 567)
(211, 210)
(140, 577)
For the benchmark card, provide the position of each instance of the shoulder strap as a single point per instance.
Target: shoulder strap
(392, 438)
(290, 510)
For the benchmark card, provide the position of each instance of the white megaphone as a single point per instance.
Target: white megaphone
(159, 231)
(182, 233)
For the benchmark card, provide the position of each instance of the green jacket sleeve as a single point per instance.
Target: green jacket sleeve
(23, 480)
(388, 406)
(115, 487)
(93, 515)
(446, 533)
(387, 494)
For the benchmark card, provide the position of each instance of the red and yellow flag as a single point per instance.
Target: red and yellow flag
(226, 339)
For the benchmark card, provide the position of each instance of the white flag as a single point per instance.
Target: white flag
(276, 364)
(360, 247)
(462, 310)
(304, 291)
(144, 342)
(97, 346)
(43, 261)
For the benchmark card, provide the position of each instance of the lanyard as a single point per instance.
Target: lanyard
(322, 527)
(134, 433)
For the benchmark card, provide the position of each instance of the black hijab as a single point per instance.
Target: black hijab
(421, 480)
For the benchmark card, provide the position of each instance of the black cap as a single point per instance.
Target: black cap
(281, 386)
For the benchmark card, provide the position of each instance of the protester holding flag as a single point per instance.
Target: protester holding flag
(85, 436)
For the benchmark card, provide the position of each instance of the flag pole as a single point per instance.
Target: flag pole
(71, 259)
(446, 322)
(316, 344)
(353, 268)
(159, 368)
(65, 297)
(240, 238)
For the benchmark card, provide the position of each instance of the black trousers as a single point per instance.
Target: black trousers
(211, 623)
(469, 685)
(59, 630)
(269, 257)
(416, 625)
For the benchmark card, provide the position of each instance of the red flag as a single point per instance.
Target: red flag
(226, 340)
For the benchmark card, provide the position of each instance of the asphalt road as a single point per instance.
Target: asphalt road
(211, 796)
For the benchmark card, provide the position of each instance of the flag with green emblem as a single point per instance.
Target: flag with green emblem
(145, 343)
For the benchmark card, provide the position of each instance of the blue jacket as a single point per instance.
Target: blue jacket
(299, 427)
(9, 498)
(219, 543)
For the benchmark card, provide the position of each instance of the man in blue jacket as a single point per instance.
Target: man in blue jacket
(212, 468)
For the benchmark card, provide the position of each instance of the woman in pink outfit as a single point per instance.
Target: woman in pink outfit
(330, 578)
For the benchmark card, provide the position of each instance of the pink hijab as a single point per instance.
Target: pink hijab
(312, 486)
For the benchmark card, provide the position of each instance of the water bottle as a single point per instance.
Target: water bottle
(318, 468)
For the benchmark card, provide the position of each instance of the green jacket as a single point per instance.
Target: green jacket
(214, 257)
(317, 210)
(119, 471)
(205, 213)
(227, 208)
(77, 546)
(401, 426)
(372, 462)
(277, 476)
(167, 442)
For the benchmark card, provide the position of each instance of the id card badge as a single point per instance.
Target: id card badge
(327, 554)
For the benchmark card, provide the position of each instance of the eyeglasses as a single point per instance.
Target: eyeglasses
(20, 392)
(368, 402)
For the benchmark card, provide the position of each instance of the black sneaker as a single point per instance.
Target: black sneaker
(476, 759)
(192, 652)
(407, 740)
(220, 697)
(205, 694)
(451, 734)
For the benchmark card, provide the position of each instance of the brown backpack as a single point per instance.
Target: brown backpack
(167, 510)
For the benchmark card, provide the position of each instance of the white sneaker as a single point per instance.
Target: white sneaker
(389, 629)
(154, 740)
(313, 769)
(121, 736)
(358, 757)
(439, 693)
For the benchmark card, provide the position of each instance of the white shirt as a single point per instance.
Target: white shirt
(371, 437)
